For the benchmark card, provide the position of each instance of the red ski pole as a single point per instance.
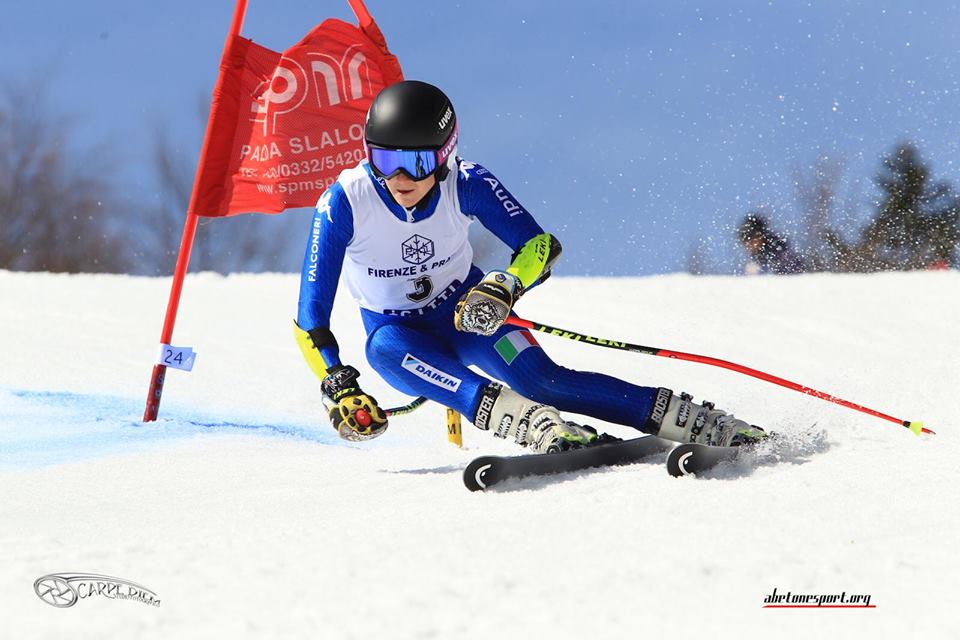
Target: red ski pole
(914, 425)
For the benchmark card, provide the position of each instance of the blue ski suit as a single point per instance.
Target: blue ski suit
(407, 310)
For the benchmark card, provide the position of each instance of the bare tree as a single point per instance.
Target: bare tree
(55, 205)
(240, 243)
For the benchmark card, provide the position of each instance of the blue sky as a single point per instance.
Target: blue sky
(634, 130)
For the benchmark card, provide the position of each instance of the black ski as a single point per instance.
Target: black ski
(487, 471)
(690, 458)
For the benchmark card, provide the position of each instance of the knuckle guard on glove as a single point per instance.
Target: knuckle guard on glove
(486, 306)
(345, 400)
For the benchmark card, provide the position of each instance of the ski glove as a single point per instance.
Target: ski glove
(486, 306)
(355, 415)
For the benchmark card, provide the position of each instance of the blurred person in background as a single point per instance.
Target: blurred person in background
(769, 251)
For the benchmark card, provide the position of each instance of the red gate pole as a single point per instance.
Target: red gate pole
(186, 246)
(360, 10)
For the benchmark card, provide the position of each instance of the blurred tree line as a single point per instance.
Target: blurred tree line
(915, 223)
(55, 207)
(61, 210)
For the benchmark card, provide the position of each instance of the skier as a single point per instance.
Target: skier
(397, 225)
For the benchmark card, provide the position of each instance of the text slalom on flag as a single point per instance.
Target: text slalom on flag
(283, 126)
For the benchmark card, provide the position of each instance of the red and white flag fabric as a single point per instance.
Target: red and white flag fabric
(283, 126)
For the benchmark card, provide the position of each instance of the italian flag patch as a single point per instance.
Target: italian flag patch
(510, 345)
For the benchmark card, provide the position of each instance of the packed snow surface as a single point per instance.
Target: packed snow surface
(248, 517)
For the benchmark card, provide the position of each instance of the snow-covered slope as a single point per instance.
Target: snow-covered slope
(248, 517)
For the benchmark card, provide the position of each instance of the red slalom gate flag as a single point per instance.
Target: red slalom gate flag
(283, 126)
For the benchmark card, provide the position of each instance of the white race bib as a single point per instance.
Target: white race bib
(403, 268)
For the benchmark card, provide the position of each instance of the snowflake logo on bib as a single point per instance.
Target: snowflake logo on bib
(417, 249)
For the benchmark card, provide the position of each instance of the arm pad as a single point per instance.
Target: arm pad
(531, 263)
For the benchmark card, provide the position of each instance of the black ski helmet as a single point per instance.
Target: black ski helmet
(413, 115)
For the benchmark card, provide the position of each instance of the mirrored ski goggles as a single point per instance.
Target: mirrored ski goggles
(418, 164)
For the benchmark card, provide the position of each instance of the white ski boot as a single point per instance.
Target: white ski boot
(529, 423)
(681, 420)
